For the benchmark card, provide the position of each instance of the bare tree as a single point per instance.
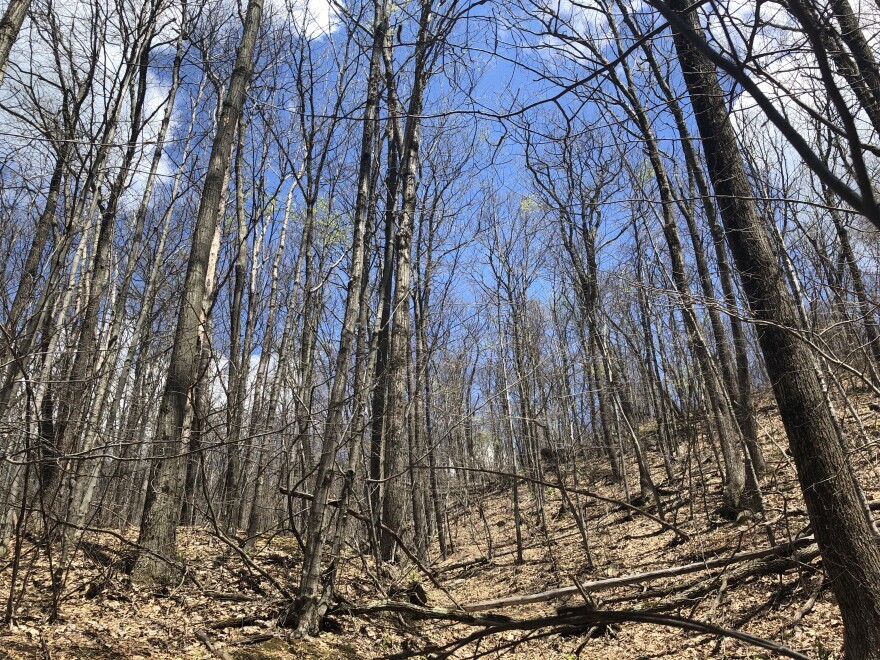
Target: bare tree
(830, 490)
(158, 532)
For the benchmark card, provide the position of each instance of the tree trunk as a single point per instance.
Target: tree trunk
(393, 503)
(307, 608)
(10, 25)
(848, 545)
(158, 533)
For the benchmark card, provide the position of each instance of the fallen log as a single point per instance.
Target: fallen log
(636, 578)
(575, 619)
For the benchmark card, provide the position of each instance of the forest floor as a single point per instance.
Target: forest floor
(228, 609)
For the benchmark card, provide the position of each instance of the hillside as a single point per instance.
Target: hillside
(230, 605)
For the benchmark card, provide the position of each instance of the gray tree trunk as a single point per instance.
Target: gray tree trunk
(158, 532)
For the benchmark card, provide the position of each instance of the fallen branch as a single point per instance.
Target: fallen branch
(233, 545)
(235, 622)
(806, 608)
(479, 561)
(202, 636)
(230, 596)
(636, 578)
(580, 618)
(253, 639)
(423, 612)
(686, 597)
(684, 593)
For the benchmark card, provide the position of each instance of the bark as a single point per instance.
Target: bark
(238, 370)
(158, 532)
(658, 394)
(421, 305)
(508, 414)
(393, 502)
(10, 25)
(831, 493)
(383, 342)
(355, 450)
(579, 222)
(308, 605)
(135, 350)
(735, 468)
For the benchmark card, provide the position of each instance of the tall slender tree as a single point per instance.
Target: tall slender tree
(158, 532)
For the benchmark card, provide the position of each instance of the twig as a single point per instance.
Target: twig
(807, 607)
(399, 541)
(580, 491)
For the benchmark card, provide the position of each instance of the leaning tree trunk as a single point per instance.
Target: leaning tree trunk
(741, 393)
(158, 533)
(23, 338)
(81, 428)
(872, 330)
(740, 487)
(845, 538)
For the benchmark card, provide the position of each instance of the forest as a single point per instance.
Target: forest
(440, 329)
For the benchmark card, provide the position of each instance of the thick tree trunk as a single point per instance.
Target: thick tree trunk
(383, 334)
(845, 538)
(393, 501)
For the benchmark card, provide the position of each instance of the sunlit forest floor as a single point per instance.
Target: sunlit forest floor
(227, 609)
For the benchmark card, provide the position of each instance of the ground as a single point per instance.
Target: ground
(226, 608)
